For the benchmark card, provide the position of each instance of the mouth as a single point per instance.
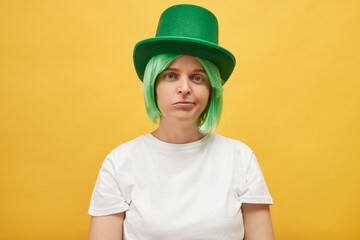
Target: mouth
(184, 104)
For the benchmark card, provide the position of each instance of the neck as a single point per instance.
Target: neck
(178, 133)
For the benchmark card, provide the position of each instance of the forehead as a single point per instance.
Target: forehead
(186, 61)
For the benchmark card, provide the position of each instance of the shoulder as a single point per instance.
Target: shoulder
(235, 145)
(235, 150)
(125, 150)
(129, 145)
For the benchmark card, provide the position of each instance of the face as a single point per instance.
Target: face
(182, 90)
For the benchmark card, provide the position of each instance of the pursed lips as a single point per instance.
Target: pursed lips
(184, 104)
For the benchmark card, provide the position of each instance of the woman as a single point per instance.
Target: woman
(181, 181)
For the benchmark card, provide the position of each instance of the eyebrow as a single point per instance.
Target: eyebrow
(177, 70)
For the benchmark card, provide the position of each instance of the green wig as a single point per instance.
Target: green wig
(210, 117)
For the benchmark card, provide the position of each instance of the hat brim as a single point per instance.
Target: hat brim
(146, 49)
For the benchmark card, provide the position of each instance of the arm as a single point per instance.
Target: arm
(257, 222)
(108, 227)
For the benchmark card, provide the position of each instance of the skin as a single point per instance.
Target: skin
(109, 227)
(257, 222)
(182, 92)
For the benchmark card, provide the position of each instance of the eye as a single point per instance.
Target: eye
(198, 78)
(169, 75)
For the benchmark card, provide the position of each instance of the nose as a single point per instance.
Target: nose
(184, 87)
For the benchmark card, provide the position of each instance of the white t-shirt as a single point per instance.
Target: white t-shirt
(190, 191)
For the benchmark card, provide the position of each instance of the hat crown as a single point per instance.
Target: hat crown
(188, 21)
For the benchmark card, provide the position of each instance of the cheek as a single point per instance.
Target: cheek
(160, 96)
(205, 95)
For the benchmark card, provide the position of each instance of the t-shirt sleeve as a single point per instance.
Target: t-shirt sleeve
(255, 189)
(107, 197)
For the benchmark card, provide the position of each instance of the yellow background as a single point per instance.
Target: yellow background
(69, 95)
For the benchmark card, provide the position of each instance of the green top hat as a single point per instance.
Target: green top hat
(189, 30)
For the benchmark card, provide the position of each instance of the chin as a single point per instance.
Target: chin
(184, 119)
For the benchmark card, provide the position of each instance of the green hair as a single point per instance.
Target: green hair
(210, 117)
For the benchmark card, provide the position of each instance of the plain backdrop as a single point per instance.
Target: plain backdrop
(69, 94)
